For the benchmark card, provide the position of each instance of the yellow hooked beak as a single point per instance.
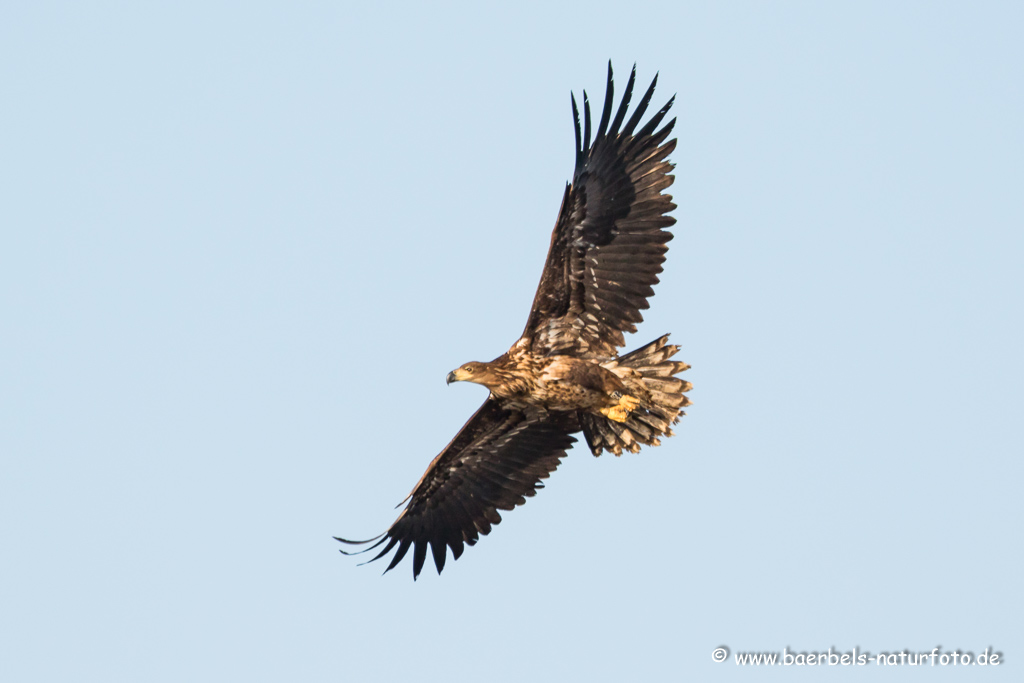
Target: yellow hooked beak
(457, 375)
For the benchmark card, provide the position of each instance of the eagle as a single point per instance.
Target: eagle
(564, 375)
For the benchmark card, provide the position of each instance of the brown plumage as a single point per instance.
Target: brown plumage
(564, 374)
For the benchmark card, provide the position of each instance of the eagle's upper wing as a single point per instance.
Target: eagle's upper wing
(496, 459)
(610, 239)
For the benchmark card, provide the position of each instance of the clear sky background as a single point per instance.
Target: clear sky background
(243, 244)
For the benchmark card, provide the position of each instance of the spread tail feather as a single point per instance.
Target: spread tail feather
(649, 375)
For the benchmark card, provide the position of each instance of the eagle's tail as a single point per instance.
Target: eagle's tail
(648, 375)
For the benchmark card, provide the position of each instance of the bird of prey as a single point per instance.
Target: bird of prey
(564, 374)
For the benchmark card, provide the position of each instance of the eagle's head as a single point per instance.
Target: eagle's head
(480, 373)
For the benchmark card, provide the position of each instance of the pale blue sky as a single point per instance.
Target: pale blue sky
(233, 234)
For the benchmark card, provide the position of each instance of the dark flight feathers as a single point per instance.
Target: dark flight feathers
(498, 458)
(610, 240)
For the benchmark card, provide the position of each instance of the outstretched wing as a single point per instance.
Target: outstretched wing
(610, 239)
(496, 459)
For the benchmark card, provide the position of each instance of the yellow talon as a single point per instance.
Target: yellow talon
(617, 413)
(621, 411)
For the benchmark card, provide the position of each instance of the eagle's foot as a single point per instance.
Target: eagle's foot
(621, 411)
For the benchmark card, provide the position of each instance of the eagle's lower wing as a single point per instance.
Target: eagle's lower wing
(497, 458)
(610, 239)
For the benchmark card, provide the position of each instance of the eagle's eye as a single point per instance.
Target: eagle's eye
(468, 368)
